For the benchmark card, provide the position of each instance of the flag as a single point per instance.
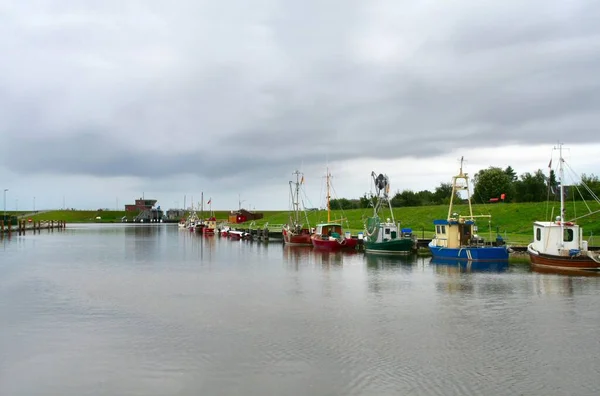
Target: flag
(209, 201)
(302, 180)
(550, 163)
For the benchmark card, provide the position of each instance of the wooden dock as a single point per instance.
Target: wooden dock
(24, 226)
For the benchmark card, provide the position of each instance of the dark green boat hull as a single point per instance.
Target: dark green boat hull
(394, 246)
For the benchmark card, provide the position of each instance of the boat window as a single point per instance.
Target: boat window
(568, 235)
(443, 229)
(438, 230)
(538, 234)
(387, 231)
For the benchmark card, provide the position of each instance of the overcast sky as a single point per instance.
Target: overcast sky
(103, 101)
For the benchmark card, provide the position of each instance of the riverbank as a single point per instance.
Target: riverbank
(512, 221)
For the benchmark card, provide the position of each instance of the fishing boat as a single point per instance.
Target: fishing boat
(456, 236)
(385, 237)
(192, 220)
(331, 235)
(294, 233)
(209, 225)
(558, 246)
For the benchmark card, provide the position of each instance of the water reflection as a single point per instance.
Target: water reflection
(295, 256)
(450, 267)
(386, 262)
(326, 258)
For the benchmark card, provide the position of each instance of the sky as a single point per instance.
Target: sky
(106, 101)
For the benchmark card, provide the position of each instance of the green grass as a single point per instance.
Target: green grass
(514, 221)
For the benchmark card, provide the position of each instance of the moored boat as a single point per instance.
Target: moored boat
(559, 245)
(385, 237)
(295, 233)
(331, 235)
(456, 236)
(210, 225)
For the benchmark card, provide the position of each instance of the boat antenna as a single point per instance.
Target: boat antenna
(328, 197)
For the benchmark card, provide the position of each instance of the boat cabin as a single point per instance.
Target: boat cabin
(454, 233)
(549, 238)
(211, 223)
(329, 229)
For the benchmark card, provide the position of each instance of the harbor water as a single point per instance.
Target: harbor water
(154, 310)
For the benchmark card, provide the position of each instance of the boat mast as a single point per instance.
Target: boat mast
(328, 208)
(465, 177)
(387, 197)
(561, 177)
(202, 206)
(295, 198)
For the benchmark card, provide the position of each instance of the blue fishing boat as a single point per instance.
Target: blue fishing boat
(456, 236)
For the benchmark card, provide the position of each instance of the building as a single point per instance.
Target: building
(146, 209)
(243, 215)
(141, 204)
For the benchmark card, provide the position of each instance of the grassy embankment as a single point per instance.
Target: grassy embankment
(512, 220)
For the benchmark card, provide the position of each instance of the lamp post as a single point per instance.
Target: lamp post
(34, 204)
(5, 190)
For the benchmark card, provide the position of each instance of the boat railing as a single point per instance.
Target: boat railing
(273, 227)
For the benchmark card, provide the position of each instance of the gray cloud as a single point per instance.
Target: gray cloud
(233, 89)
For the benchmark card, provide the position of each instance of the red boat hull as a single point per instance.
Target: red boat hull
(322, 243)
(296, 239)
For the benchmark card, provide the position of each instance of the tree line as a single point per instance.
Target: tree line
(493, 184)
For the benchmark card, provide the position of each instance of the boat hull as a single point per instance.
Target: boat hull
(329, 244)
(471, 266)
(541, 261)
(292, 239)
(472, 253)
(391, 247)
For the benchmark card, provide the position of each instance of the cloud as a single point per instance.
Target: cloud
(230, 91)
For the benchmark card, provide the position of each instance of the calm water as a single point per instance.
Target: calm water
(151, 310)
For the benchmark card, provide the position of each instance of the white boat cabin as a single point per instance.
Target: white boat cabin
(329, 230)
(550, 238)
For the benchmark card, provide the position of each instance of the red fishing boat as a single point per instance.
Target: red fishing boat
(331, 235)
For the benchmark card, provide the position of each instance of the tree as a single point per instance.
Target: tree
(405, 198)
(592, 182)
(442, 193)
(365, 202)
(491, 183)
(510, 172)
(531, 187)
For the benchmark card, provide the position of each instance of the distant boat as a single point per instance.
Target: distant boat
(294, 233)
(456, 236)
(385, 237)
(559, 245)
(331, 235)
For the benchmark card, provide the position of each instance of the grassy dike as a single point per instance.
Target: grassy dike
(512, 220)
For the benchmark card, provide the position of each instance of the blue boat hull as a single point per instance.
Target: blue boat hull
(473, 253)
(472, 266)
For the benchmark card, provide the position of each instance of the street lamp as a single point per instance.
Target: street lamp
(5, 190)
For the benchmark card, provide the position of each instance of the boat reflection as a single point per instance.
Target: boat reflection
(445, 266)
(405, 262)
(327, 258)
(295, 256)
(564, 271)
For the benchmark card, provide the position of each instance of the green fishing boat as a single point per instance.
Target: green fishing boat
(385, 237)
